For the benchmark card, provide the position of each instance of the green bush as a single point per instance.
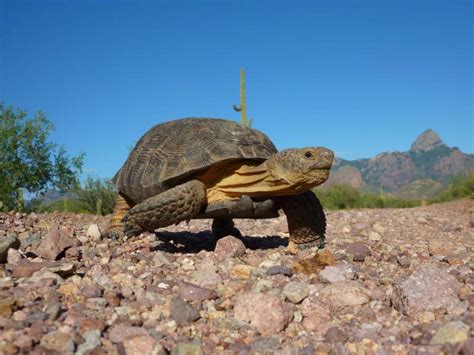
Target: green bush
(96, 196)
(461, 186)
(343, 197)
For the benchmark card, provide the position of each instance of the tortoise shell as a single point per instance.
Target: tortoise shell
(171, 152)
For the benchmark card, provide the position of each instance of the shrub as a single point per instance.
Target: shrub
(343, 197)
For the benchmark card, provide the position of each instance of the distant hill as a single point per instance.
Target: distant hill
(421, 172)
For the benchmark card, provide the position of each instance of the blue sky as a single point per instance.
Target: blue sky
(360, 77)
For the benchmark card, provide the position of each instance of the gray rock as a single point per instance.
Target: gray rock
(262, 285)
(279, 270)
(332, 274)
(336, 335)
(10, 241)
(358, 251)
(264, 345)
(58, 341)
(182, 312)
(92, 341)
(295, 291)
(427, 289)
(187, 348)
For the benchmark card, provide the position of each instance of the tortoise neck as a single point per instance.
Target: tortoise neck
(253, 181)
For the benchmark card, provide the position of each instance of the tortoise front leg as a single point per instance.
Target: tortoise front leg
(115, 228)
(172, 206)
(306, 220)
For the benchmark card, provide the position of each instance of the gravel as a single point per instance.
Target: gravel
(389, 281)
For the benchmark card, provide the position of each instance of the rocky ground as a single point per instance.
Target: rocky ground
(392, 281)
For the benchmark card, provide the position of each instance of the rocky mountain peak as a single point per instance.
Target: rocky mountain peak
(427, 141)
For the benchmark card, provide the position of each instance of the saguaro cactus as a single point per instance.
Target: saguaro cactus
(243, 107)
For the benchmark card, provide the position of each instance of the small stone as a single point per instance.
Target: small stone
(191, 292)
(91, 290)
(332, 274)
(266, 312)
(242, 271)
(262, 285)
(468, 346)
(143, 344)
(375, 237)
(91, 342)
(93, 232)
(349, 293)
(452, 332)
(26, 268)
(183, 313)
(206, 277)
(422, 220)
(279, 270)
(14, 256)
(426, 317)
(440, 247)
(229, 247)
(336, 335)
(24, 342)
(377, 227)
(58, 341)
(187, 348)
(295, 292)
(54, 243)
(427, 289)
(118, 333)
(7, 306)
(112, 298)
(10, 241)
(265, 345)
(358, 251)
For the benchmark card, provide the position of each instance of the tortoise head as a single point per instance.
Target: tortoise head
(302, 168)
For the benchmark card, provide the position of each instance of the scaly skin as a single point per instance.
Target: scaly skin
(172, 206)
(306, 219)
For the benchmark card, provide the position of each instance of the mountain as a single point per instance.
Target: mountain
(421, 172)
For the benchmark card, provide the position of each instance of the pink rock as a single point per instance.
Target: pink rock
(229, 247)
(342, 294)
(143, 344)
(427, 289)
(190, 292)
(121, 332)
(54, 243)
(26, 268)
(266, 312)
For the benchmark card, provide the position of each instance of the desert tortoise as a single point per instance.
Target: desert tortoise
(215, 168)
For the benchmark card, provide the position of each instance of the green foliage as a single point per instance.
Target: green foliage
(461, 186)
(96, 196)
(29, 162)
(343, 197)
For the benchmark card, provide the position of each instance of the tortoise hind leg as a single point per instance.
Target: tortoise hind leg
(172, 206)
(306, 220)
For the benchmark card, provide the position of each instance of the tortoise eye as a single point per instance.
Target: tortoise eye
(308, 155)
